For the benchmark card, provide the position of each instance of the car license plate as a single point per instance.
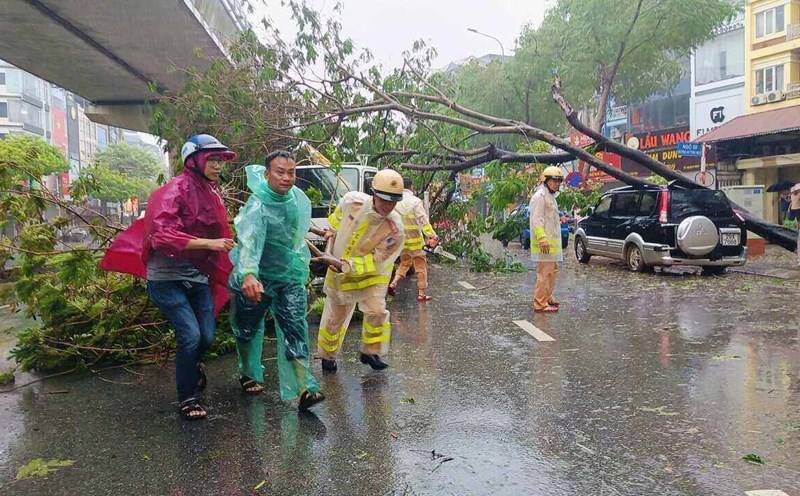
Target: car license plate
(730, 239)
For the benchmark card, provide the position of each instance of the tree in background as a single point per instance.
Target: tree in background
(121, 171)
(133, 161)
(603, 51)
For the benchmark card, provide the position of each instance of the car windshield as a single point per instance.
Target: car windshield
(324, 188)
(686, 203)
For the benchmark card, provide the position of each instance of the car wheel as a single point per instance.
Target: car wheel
(635, 259)
(713, 271)
(580, 251)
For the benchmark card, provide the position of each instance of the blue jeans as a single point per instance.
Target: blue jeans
(189, 307)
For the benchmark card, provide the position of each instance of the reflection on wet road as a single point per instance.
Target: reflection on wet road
(653, 384)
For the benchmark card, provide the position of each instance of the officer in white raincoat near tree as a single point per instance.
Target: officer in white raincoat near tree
(368, 238)
(546, 249)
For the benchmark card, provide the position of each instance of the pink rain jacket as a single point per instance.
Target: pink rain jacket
(186, 208)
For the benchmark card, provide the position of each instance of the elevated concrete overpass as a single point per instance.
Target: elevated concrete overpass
(113, 52)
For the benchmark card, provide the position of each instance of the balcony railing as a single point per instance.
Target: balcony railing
(792, 90)
(792, 31)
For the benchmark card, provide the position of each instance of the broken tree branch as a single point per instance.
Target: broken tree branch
(618, 148)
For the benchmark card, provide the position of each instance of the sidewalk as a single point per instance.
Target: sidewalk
(776, 262)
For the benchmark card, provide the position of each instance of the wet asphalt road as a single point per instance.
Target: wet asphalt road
(655, 384)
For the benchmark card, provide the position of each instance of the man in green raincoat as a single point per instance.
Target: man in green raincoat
(270, 272)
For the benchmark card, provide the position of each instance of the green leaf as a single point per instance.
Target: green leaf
(7, 377)
(753, 458)
(39, 467)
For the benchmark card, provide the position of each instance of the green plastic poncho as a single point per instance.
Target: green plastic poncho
(271, 245)
(271, 229)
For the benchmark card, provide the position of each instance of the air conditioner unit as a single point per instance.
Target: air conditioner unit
(775, 96)
(758, 100)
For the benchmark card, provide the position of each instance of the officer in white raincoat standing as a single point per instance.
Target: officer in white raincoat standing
(546, 239)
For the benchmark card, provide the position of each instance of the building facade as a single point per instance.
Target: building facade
(33, 106)
(718, 91)
(718, 79)
(763, 144)
(773, 54)
(654, 126)
(24, 103)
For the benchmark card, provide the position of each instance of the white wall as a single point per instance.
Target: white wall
(713, 107)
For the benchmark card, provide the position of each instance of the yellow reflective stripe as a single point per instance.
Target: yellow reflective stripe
(370, 281)
(539, 232)
(324, 333)
(414, 245)
(362, 265)
(427, 230)
(369, 262)
(327, 346)
(370, 329)
(376, 334)
(330, 342)
(335, 219)
(555, 246)
(411, 227)
(355, 238)
(356, 265)
(379, 339)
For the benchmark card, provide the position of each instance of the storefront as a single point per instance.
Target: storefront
(765, 149)
(663, 147)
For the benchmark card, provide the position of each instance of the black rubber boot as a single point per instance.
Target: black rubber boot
(329, 365)
(374, 361)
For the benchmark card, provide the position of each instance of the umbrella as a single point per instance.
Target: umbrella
(781, 186)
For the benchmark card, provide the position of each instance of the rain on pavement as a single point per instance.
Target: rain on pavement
(653, 384)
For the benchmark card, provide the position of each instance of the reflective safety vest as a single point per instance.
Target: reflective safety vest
(368, 242)
(415, 221)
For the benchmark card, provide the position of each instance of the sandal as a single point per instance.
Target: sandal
(202, 382)
(423, 298)
(191, 409)
(547, 309)
(249, 386)
(554, 304)
(307, 400)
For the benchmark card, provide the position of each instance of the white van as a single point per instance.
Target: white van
(332, 187)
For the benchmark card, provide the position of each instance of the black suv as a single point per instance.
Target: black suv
(663, 225)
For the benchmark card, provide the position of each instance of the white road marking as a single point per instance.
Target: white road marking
(466, 285)
(538, 334)
(766, 492)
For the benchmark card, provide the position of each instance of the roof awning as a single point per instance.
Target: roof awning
(745, 126)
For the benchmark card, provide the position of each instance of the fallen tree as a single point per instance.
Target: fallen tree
(773, 233)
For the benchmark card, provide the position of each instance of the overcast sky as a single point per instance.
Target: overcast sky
(388, 27)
